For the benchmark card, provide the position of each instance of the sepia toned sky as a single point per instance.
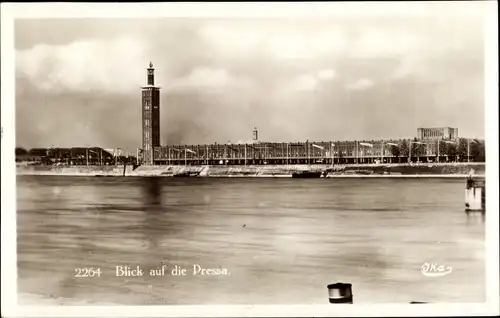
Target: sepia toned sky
(78, 80)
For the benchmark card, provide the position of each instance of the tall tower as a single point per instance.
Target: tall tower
(150, 117)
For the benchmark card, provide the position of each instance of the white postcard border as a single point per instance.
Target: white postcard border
(317, 10)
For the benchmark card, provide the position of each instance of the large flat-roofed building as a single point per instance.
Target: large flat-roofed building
(437, 133)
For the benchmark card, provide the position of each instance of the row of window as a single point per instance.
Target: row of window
(147, 122)
(148, 97)
(147, 136)
(148, 107)
(433, 133)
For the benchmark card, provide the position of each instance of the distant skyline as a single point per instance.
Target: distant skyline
(78, 80)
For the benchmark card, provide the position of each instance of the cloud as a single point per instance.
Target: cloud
(409, 66)
(304, 83)
(326, 74)
(84, 65)
(361, 84)
(283, 40)
(231, 40)
(278, 39)
(290, 46)
(375, 42)
(309, 82)
(307, 43)
(204, 77)
(329, 41)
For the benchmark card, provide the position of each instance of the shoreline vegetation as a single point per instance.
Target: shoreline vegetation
(406, 170)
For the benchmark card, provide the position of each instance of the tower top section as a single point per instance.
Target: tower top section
(150, 71)
(151, 74)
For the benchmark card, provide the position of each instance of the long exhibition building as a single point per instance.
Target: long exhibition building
(431, 145)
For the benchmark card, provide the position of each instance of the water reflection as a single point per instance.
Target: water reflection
(475, 217)
(152, 190)
(154, 216)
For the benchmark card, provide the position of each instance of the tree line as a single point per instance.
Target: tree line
(456, 151)
(71, 156)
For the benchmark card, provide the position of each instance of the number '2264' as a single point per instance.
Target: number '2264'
(87, 272)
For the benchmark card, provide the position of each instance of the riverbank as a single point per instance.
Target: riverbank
(443, 170)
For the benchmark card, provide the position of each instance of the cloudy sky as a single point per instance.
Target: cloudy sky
(78, 80)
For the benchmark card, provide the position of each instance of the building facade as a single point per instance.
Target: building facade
(437, 133)
(150, 117)
(309, 152)
(318, 152)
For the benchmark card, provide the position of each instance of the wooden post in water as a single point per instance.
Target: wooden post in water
(475, 195)
(340, 293)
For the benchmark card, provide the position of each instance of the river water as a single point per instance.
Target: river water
(279, 240)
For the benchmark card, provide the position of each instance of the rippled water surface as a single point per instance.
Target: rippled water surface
(281, 240)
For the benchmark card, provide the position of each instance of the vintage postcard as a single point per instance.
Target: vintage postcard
(151, 157)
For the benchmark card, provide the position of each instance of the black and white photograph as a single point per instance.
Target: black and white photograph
(321, 154)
